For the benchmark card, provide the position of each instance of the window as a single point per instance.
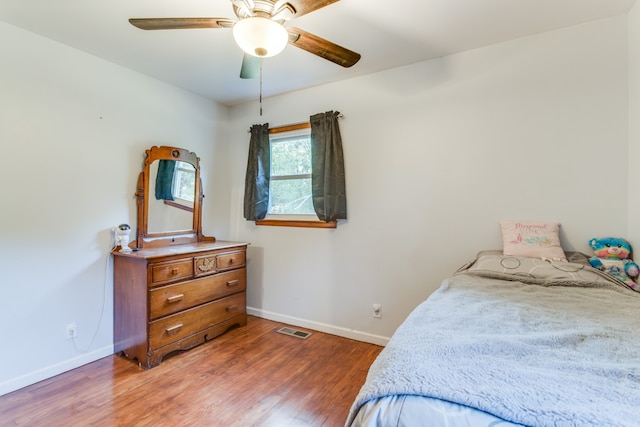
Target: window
(290, 198)
(184, 181)
(176, 184)
(291, 174)
(290, 184)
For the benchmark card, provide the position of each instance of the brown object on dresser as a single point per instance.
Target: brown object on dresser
(177, 297)
(174, 288)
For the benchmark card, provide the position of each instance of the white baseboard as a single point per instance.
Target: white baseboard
(317, 326)
(17, 383)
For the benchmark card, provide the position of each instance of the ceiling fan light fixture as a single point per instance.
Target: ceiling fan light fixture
(260, 36)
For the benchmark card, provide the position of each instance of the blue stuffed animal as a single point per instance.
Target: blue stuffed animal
(613, 256)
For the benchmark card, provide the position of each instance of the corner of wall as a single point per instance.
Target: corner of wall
(633, 46)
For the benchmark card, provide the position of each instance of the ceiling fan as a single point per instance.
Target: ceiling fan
(259, 31)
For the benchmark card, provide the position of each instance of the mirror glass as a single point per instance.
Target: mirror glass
(171, 196)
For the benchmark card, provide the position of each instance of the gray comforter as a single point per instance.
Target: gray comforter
(530, 341)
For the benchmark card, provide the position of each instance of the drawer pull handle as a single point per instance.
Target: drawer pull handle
(174, 271)
(174, 329)
(231, 283)
(231, 261)
(175, 298)
(232, 308)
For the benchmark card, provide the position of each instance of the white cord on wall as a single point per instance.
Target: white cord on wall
(104, 303)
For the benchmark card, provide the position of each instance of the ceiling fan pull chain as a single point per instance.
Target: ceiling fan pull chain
(260, 87)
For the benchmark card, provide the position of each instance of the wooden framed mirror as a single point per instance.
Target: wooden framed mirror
(169, 198)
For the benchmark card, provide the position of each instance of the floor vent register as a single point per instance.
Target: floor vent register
(294, 333)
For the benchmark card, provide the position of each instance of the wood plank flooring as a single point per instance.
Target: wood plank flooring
(250, 376)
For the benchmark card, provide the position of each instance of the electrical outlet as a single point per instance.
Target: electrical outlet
(71, 330)
(377, 311)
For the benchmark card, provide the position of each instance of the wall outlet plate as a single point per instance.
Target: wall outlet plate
(377, 311)
(71, 330)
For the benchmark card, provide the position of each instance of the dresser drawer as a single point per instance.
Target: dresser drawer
(171, 271)
(172, 328)
(231, 260)
(173, 298)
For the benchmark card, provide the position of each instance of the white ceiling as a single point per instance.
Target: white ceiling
(388, 34)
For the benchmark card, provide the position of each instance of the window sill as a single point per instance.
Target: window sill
(297, 223)
(179, 205)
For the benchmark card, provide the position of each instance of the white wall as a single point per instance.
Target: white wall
(437, 153)
(634, 126)
(73, 131)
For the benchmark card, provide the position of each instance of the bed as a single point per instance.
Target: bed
(510, 340)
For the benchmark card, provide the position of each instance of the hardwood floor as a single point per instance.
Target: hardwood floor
(250, 376)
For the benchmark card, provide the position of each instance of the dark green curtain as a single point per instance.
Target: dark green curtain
(327, 167)
(256, 184)
(164, 179)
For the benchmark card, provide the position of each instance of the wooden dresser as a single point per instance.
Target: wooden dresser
(176, 297)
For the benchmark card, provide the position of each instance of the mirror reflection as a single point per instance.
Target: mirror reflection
(171, 196)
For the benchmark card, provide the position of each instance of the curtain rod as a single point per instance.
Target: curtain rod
(340, 115)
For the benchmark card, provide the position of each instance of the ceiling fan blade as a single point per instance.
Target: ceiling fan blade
(180, 23)
(307, 6)
(322, 48)
(250, 67)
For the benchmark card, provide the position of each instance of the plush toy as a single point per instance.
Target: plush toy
(613, 256)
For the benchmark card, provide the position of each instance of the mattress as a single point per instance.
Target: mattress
(512, 341)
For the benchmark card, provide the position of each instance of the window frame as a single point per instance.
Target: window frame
(288, 220)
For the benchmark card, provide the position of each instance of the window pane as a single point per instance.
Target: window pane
(291, 196)
(291, 156)
(184, 181)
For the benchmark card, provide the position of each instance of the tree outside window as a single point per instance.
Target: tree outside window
(290, 185)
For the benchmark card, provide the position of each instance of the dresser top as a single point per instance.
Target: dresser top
(185, 248)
